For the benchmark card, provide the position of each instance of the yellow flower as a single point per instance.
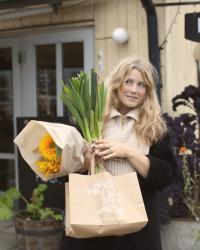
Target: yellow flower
(47, 148)
(48, 167)
(49, 163)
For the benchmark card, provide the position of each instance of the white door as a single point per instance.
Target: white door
(32, 68)
(9, 108)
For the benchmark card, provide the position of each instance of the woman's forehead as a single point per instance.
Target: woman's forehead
(134, 73)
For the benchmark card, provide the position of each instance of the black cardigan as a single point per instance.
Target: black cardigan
(161, 172)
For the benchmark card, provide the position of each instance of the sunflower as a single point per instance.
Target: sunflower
(47, 148)
(50, 152)
(48, 167)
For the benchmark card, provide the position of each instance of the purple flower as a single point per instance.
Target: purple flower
(183, 130)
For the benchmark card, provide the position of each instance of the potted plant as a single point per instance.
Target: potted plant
(182, 198)
(37, 227)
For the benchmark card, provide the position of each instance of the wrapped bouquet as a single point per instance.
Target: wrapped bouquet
(53, 150)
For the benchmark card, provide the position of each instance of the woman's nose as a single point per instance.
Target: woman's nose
(133, 88)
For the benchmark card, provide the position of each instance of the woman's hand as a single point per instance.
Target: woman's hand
(107, 149)
(89, 150)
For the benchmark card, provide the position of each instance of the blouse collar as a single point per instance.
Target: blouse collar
(134, 114)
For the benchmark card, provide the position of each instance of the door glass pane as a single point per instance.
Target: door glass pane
(6, 101)
(72, 64)
(7, 174)
(46, 79)
(72, 59)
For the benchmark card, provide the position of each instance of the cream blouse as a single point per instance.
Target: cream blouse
(120, 128)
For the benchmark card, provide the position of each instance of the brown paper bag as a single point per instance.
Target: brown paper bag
(103, 205)
(66, 137)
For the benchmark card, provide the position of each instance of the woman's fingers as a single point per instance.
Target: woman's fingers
(107, 149)
(100, 141)
(103, 152)
(103, 144)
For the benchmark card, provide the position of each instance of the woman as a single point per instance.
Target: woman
(135, 138)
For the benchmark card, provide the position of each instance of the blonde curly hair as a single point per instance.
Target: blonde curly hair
(150, 127)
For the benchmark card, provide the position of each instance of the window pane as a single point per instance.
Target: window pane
(7, 174)
(72, 64)
(6, 101)
(72, 59)
(46, 79)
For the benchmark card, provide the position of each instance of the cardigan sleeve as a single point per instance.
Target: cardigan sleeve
(163, 165)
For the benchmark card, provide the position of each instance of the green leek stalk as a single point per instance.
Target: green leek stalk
(84, 97)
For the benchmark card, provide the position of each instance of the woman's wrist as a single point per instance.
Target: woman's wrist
(129, 153)
(139, 161)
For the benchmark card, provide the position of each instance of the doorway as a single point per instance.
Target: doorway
(32, 68)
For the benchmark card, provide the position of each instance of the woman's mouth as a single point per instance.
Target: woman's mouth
(132, 97)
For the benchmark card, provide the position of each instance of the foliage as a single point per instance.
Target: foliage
(182, 197)
(191, 190)
(7, 203)
(85, 98)
(34, 209)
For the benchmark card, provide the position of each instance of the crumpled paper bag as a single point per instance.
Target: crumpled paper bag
(66, 137)
(101, 205)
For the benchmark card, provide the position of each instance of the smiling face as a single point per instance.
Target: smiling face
(132, 91)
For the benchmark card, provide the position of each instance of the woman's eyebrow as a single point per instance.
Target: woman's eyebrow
(129, 78)
(132, 79)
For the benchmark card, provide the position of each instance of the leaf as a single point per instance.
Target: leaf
(46, 213)
(58, 152)
(92, 125)
(57, 217)
(5, 213)
(93, 88)
(85, 99)
(74, 112)
(7, 198)
(13, 193)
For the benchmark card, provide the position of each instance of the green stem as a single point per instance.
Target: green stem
(24, 199)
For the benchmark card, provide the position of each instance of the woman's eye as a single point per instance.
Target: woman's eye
(127, 82)
(142, 84)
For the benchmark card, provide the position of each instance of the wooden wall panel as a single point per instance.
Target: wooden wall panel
(100, 34)
(142, 41)
(123, 21)
(9, 24)
(178, 64)
(66, 15)
(110, 14)
(132, 8)
(112, 21)
(100, 16)
(101, 47)
(77, 13)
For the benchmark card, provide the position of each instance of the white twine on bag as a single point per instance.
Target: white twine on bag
(110, 198)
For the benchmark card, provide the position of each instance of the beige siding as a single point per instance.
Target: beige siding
(76, 14)
(178, 63)
(116, 13)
